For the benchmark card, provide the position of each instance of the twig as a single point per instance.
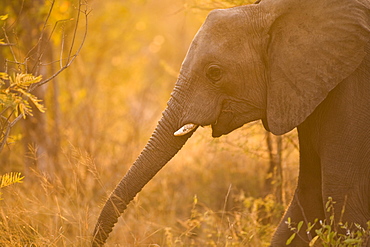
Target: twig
(7, 44)
(304, 218)
(38, 44)
(224, 209)
(70, 58)
(10, 48)
(7, 130)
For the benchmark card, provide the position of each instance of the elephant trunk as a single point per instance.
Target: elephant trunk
(161, 147)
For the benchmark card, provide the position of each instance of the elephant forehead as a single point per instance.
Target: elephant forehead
(224, 38)
(224, 19)
(214, 44)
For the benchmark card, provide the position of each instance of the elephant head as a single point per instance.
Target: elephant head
(275, 60)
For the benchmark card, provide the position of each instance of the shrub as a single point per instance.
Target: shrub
(330, 233)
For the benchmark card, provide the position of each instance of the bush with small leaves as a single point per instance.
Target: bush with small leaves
(331, 234)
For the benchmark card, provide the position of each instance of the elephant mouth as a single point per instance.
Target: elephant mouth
(224, 125)
(233, 114)
(220, 128)
(190, 127)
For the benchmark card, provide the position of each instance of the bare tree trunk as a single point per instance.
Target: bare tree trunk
(56, 124)
(274, 178)
(34, 49)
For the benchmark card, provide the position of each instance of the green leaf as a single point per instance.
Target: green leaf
(289, 221)
(329, 202)
(289, 241)
(299, 226)
(311, 225)
(352, 241)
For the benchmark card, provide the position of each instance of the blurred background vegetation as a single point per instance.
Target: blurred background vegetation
(99, 113)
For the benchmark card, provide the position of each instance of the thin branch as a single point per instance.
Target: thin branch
(38, 45)
(75, 29)
(62, 51)
(16, 120)
(10, 48)
(7, 44)
(70, 58)
(304, 218)
(7, 128)
(39, 63)
(4, 138)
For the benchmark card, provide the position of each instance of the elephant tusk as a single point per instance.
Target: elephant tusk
(185, 129)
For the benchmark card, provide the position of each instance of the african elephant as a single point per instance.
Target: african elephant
(291, 63)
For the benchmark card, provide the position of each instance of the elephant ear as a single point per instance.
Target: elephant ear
(314, 45)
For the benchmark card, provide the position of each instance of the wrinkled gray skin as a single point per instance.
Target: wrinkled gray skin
(291, 63)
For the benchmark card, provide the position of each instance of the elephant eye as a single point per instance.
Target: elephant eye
(214, 73)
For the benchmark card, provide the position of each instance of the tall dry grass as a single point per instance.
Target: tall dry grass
(209, 195)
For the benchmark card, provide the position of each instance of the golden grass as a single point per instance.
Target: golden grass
(209, 195)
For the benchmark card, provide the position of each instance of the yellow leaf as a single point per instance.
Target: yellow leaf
(36, 102)
(10, 178)
(3, 17)
(4, 76)
(313, 241)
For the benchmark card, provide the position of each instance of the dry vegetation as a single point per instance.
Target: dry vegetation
(100, 113)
